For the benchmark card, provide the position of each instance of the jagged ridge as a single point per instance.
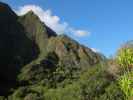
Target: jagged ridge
(26, 42)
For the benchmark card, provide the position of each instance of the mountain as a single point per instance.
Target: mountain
(31, 53)
(16, 49)
(128, 44)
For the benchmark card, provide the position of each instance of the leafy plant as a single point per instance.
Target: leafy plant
(126, 83)
(125, 58)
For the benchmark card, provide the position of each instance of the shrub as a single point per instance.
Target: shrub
(33, 96)
(97, 84)
(26, 93)
(70, 92)
(125, 58)
(125, 83)
(112, 92)
(2, 98)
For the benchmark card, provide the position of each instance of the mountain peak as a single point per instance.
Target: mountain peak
(35, 25)
(31, 14)
(4, 7)
(6, 12)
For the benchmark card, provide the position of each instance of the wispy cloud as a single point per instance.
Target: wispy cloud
(95, 50)
(79, 33)
(53, 21)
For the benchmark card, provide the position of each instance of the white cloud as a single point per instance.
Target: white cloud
(51, 20)
(79, 33)
(95, 50)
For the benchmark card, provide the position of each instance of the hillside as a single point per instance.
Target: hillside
(36, 63)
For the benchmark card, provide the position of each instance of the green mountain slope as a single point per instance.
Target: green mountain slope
(25, 39)
(54, 51)
(38, 64)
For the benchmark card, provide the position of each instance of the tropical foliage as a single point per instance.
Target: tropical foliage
(125, 60)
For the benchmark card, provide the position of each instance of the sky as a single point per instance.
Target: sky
(103, 25)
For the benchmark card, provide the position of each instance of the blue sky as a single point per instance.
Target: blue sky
(108, 22)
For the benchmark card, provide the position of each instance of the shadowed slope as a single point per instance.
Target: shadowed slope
(16, 49)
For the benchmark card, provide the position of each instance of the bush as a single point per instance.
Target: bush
(125, 58)
(112, 92)
(97, 84)
(33, 96)
(126, 83)
(2, 98)
(26, 93)
(70, 92)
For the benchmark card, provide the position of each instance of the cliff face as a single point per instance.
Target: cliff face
(12, 42)
(16, 49)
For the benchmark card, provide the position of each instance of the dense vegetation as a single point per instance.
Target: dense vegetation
(125, 60)
(37, 64)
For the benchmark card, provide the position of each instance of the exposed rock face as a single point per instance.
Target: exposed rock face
(36, 31)
(71, 51)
